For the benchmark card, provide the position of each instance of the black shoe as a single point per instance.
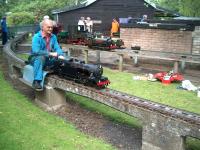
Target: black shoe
(37, 86)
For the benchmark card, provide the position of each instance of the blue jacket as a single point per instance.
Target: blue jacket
(4, 25)
(39, 45)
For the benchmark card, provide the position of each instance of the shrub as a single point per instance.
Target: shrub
(20, 18)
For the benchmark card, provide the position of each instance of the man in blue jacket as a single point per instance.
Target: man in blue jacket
(4, 31)
(44, 50)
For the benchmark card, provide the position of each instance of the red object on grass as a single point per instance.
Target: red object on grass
(167, 78)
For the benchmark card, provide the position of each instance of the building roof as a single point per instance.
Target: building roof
(69, 8)
(86, 3)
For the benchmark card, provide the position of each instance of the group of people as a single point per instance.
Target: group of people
(45, 44)
(85, 24)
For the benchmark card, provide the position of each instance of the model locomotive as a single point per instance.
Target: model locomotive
(87, 74)
(92, 40)
(98, 40)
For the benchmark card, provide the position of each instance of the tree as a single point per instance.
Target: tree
(184, 7)
(35, 7)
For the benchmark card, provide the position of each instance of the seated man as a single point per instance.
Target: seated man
(44, 50)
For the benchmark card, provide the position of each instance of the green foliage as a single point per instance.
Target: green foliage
(184, 7)
(36, 8)
(190, 8)
(40, 8)
(20, 18)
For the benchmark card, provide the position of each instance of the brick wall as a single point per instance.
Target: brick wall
(158, 39)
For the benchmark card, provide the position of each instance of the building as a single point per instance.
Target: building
(103, 11)
(175, 36)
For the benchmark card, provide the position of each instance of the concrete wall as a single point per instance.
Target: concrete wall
(196, 40)
(162, 40)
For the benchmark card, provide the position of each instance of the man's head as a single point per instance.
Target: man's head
(144, 17)
(47, 26)
(82, 18)
(88, 18)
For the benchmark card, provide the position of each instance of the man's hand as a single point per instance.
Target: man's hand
(54, 54)
(61, 57)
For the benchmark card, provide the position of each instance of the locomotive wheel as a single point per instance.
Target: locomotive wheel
(80, 79)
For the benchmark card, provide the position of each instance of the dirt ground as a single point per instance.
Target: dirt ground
(122, 137)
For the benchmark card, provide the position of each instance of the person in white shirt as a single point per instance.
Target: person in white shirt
(81, 24)
(89, 24)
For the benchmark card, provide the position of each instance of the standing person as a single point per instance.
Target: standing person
(44, 44)
(115, 27)
(4, 31)
(81, 24)
(89, 24)
(144, 18)
(56, 28)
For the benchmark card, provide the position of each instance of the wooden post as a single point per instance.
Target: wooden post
(98, 56)
(86, 56)
(136, 59)
(69, 52)
(176, 66)
(120, 62)
(183, 63)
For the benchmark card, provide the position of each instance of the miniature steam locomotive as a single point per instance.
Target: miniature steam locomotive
(87, 74)
(92, 40)
(105, 42)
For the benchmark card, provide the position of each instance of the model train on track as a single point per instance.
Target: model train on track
(71, 69)
(77, 70)
(94, 40)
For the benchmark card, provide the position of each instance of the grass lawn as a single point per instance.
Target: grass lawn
(154, 91)
(23, 126)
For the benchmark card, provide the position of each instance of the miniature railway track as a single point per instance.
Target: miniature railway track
(185, 116)
(164, 127)
(129, 99)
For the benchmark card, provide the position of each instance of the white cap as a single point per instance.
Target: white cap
(46, 17)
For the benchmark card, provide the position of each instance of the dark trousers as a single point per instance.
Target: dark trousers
(4, 38)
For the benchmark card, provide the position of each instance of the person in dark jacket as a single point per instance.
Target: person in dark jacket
(4, 31)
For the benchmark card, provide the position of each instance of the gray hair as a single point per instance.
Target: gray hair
(45, 21)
